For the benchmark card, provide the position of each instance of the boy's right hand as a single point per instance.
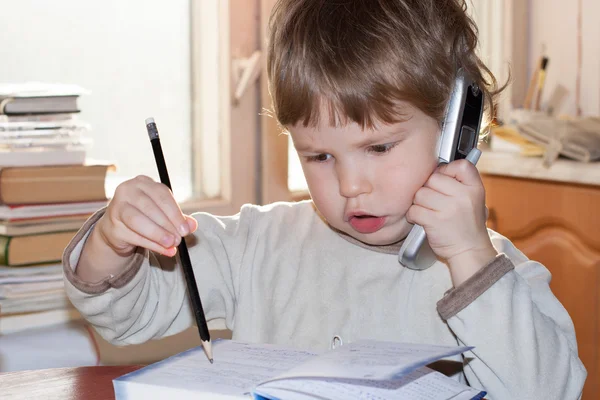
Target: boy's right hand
(144, 213)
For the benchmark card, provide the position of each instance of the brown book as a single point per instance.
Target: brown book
(41, 212)
(34, 249)
(32, 226)
(53, 184)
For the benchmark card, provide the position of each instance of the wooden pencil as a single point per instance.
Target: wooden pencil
(184, 256)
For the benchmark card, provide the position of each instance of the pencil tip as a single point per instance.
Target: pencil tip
(208, 350)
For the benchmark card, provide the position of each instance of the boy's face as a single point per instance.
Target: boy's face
(364, 181)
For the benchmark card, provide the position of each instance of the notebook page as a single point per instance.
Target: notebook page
(367, 359)
(420, 384)
(237, 369)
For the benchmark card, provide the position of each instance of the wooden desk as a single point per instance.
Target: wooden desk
(81, 383)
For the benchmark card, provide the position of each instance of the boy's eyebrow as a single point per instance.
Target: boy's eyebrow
(394, 134)
(371, 140)
(307, 149)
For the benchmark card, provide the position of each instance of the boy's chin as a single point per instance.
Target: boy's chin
(379, 238)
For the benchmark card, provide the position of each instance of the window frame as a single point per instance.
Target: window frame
(274, 143)
(503, 36)
(238, 140)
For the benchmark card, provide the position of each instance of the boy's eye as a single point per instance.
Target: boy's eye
(319, 157)
(381, 148)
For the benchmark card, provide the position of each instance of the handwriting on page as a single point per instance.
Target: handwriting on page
(238, 368)
(420, 384)
(364, 359)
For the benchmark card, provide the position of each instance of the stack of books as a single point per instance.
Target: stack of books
(48, 188)
(39, 125)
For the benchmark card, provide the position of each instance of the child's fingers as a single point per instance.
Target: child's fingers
(162, 196)
(141, 226)
(418, 215)
(192, 223)
(444, 184)
(146, 205)
(463, 171)
(140, 241)
(430, 199)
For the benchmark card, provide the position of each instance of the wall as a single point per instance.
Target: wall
(553, 24)
(134, 57)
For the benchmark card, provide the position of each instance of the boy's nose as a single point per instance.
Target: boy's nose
(353, 181)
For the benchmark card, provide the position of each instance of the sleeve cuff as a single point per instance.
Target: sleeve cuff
(460, 297)
(73, 252)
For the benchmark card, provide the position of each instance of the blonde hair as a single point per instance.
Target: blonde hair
(359, 58)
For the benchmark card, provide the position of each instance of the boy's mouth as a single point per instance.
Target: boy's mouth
(365, 223)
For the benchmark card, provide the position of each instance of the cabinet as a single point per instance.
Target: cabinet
(557, 224)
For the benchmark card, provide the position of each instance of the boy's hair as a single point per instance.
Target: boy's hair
(358, 58)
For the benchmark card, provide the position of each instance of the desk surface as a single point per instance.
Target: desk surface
(89, 383)
(81, 383)
(563, 170)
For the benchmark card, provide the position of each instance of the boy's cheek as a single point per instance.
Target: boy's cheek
(406, 179)
(317, 183)
(321, 191)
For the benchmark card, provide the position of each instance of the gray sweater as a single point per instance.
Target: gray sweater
(280, 274)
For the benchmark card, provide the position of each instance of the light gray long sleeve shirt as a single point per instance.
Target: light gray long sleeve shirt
(280, 274)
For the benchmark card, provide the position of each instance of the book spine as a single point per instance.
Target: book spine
(1, 174)
(3, 104)
(4, 244)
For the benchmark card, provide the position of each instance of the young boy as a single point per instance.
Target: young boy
(361, 86)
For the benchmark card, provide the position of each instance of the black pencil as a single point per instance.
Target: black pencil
(182, 247)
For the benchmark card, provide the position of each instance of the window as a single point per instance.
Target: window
(296, 180)
(167, 60)
(503, 46)
(225, 104)
(132, 56)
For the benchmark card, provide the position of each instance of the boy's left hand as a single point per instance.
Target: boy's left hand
(451, 209)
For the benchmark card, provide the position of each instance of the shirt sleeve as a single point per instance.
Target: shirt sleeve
(148, 299)
(525, 345)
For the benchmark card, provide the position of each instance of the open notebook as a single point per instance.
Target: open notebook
(360, 370)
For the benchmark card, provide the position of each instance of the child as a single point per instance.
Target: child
(361, 86)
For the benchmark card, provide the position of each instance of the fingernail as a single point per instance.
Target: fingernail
(167, 240)
(184, 229)
(171, 251)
